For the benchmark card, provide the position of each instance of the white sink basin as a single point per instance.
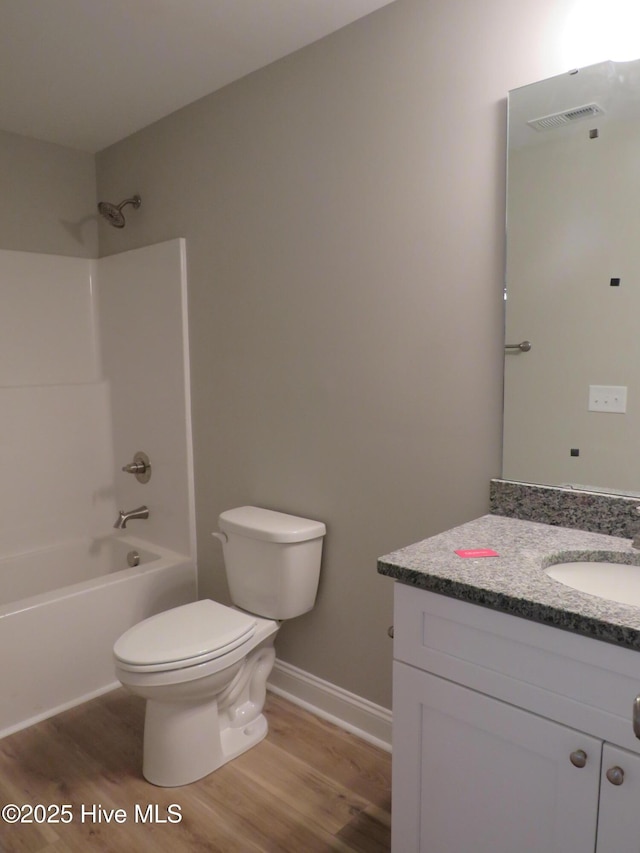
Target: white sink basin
(613, 581)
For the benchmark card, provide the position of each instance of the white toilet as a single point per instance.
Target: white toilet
(203, 667)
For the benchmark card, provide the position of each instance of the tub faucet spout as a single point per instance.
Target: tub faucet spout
(124, 517)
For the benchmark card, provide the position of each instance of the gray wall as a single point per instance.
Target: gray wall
(48, 198)
(343, 211)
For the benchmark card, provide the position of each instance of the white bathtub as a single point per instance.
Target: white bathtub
(61, 610)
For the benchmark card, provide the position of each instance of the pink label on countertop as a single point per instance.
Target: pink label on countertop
(476, 552)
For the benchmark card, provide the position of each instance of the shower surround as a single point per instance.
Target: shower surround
(93, 367)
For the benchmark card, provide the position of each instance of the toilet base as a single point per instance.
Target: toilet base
(237, 741)
(188, 739)
(182, 746)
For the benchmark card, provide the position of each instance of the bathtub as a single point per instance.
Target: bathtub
(61, 610)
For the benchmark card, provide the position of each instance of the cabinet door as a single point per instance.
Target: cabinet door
(472, 774)
(619, 817)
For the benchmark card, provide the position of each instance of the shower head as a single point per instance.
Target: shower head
(113, 212)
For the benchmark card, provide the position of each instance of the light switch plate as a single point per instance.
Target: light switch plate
(608, 398)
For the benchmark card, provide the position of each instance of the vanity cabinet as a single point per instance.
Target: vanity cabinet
(509, 735)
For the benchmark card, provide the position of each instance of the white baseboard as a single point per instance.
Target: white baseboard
(357, 715)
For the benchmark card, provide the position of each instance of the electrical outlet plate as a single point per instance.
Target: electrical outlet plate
(608, 398)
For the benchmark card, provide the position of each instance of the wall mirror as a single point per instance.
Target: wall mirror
(572, 401)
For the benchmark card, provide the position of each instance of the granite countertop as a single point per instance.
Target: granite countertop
(515, 582)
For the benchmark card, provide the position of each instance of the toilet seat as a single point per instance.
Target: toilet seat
(183, 637)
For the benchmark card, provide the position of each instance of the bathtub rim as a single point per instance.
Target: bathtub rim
(164, 557)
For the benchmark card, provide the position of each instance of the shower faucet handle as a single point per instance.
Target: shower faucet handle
(140, 467)
(135, 468)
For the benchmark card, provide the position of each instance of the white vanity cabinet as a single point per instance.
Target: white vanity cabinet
(509, 736)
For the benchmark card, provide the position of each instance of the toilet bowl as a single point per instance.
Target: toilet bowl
(203, 667)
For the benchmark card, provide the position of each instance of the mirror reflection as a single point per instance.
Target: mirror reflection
(572, 401)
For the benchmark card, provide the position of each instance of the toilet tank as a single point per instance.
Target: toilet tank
(272, 560)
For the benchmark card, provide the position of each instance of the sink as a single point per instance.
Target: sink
(614, 581)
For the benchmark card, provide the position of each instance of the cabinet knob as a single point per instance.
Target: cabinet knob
(636, 716)
(615, 775)
(578, 758)
(390, 631)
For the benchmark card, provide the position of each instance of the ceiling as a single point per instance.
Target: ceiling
(87, 73)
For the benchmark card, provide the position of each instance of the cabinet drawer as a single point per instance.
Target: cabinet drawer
(575, 680)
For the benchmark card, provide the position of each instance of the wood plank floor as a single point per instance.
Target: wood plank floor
(308, 787)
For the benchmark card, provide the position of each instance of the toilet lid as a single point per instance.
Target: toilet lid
(196, 633)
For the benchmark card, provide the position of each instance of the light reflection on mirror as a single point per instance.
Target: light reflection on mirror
(601, 29)
(573, 280)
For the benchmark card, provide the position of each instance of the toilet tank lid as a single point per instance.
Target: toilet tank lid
(257, 523)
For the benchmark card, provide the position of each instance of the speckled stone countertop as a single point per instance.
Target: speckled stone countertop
(515, 582)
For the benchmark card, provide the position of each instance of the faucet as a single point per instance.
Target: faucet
(124, 517)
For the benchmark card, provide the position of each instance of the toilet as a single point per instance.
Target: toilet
(203, 667)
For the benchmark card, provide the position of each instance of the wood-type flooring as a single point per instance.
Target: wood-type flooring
(308, 787)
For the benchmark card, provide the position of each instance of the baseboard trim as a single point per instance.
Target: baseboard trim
(359, 716)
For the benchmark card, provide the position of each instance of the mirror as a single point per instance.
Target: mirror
(572, 401)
